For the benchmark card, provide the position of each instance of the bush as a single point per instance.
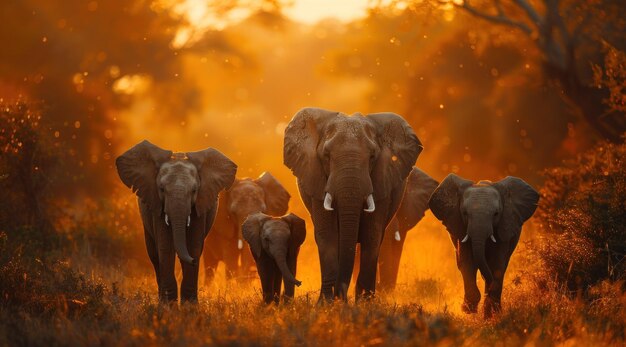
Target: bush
(583, 217)
(28, 164)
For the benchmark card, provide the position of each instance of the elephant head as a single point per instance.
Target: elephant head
(483, 212)
(248, 196)
(349, 163)
(176, 186)
(279, 237)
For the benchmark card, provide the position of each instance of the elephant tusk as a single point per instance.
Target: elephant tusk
(465, 238)
(396, 236)
(188, 221)
(239, 244)
(328, 201)
(493, 238)
(370, 204)
(167, 220)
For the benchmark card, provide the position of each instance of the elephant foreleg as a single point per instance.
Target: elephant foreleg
(230, 257)
(195, 243)
(210, 265)
(498, 260)
(371, 234)
(189, 284)
(278, 279)
(168, 288)
(153, 254)
(149, 237)
(326, 238)
(389, 258)
(265, 267)
(246, 268)
(465, 263)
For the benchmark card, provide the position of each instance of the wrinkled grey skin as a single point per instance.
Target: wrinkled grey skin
(177, 195)
(414, 205)
(485, 222)
(351, 173)
(225, 241)
(274, 244)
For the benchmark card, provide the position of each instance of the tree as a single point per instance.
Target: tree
(568, 34)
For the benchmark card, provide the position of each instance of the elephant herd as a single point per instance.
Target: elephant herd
(356, 177)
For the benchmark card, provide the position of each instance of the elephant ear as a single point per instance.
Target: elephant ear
(138, 168)
(251, 229)
(302, 137)
(276, 196)
(519, 202)
(419, 188)
(445, 203)
(399, 149)
(216, 173)
(298, 230)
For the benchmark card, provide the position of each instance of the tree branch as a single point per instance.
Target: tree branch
(500, 18)
(553, 7)
(530, 11)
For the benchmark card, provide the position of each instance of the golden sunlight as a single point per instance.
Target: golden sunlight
(312, 11)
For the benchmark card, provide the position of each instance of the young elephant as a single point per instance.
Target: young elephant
(275, 243)
(484, 221)
(177, 195)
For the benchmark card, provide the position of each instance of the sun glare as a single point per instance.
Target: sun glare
(312, 11)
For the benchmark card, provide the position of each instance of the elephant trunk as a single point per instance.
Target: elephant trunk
(478, 253)
(350, 205)
(281, 261)
(179, 231)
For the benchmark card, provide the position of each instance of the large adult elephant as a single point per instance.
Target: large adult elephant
(351, 173)
(245, 197)
(485, 221)
(419, 187)
(177, 195)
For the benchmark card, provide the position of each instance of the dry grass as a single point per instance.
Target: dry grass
(85, 302)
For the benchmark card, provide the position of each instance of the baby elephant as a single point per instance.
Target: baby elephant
(275, 243)
(485, 222)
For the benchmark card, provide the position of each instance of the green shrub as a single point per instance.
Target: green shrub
(583, 219)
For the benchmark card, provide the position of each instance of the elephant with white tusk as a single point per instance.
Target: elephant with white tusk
(485, 222)
(177, 195)
(351, 173)
(419, 187)
(225, 241)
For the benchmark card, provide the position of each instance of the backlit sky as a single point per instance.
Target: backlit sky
(311, 11)
(306, 11)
